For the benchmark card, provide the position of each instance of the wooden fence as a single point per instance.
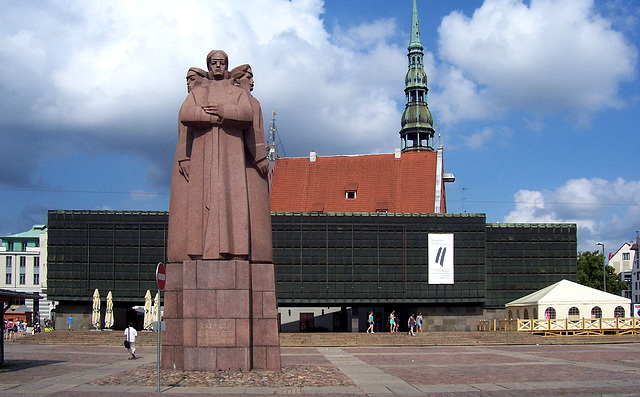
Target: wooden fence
(553, 327)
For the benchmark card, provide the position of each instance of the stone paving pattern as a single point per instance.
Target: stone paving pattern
(599, 369)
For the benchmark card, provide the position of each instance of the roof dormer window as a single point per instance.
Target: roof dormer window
(350, 194)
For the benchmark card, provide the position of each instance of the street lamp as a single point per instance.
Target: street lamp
(604, 267)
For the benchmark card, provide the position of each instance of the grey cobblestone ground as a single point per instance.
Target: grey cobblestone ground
(488, 371)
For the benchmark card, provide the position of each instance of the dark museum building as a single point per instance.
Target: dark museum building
(351, 262)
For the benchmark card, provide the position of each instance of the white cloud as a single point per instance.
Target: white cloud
(484, 137)
(603, 210)
(117, 74)
(549, 56)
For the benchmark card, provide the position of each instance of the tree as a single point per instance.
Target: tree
(590, 273)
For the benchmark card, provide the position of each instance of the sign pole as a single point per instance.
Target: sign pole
(159, 328)
(161, 276)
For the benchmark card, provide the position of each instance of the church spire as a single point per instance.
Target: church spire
(417, 122)
(415, 42)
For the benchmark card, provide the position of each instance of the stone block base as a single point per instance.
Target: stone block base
(220, 315)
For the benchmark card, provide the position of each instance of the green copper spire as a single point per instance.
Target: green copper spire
(417, 122)
(414, 42)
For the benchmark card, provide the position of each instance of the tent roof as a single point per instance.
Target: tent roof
(19, 309)
(568, 292)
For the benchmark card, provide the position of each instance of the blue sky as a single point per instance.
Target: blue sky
(538, 102)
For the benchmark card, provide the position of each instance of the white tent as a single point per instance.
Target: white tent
(568, 300)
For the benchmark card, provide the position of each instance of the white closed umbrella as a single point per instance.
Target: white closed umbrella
(108, 316)
(156, 308)
(148, 318)
(95, 314)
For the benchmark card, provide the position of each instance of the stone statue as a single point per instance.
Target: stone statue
(257, 168)
(215, 114)
(179, 180)
(220, 301)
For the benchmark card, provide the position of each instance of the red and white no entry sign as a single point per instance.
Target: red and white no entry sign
(161, 276)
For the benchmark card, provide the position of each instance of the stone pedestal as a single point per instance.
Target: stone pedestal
(220, 315)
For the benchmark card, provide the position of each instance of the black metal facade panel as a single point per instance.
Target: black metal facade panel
(523, 258)
(325, 259)
(374, 258)
(110, 250)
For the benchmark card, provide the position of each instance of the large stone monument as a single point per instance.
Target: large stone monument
(220, 301)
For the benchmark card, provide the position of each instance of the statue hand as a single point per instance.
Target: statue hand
(262, 166)
(211, 109)
(184, 168)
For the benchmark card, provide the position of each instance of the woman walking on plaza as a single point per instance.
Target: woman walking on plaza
(412, 324)
(392, 321)
(370, 320)
(419, 321)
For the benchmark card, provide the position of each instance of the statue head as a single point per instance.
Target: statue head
(218, 65)
(195, 77)
(242, 76)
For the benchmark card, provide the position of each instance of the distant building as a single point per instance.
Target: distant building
(115, 251)
(622, 259)
(24, 260)
(331, 268)
(634, 282)
(410, 180)
(401, 182)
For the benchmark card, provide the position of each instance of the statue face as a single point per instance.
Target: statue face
(193, 80)
(217, 66)
(247, 80)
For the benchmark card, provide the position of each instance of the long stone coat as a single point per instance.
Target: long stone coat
(217, 209)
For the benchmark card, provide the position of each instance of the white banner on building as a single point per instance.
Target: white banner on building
(440, 258)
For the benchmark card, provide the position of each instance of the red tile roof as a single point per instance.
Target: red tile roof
(380, 182)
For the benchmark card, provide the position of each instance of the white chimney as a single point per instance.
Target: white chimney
(312, 156)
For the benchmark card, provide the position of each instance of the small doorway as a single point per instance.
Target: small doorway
(306, 321)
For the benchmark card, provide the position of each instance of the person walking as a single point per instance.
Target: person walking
(370, 329)
(130, 334)
(412, 324)
(419, 322)
(392, 321)
(70, 323)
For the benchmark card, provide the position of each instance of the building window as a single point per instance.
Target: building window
(550, 313)
(618, 312)
(574, 313)
(36, 270)
(350, 194)
(8, 270)
(626, 256)
(23, 270)
(596, 312)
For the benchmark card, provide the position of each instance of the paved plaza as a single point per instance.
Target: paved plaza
(501, 370)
